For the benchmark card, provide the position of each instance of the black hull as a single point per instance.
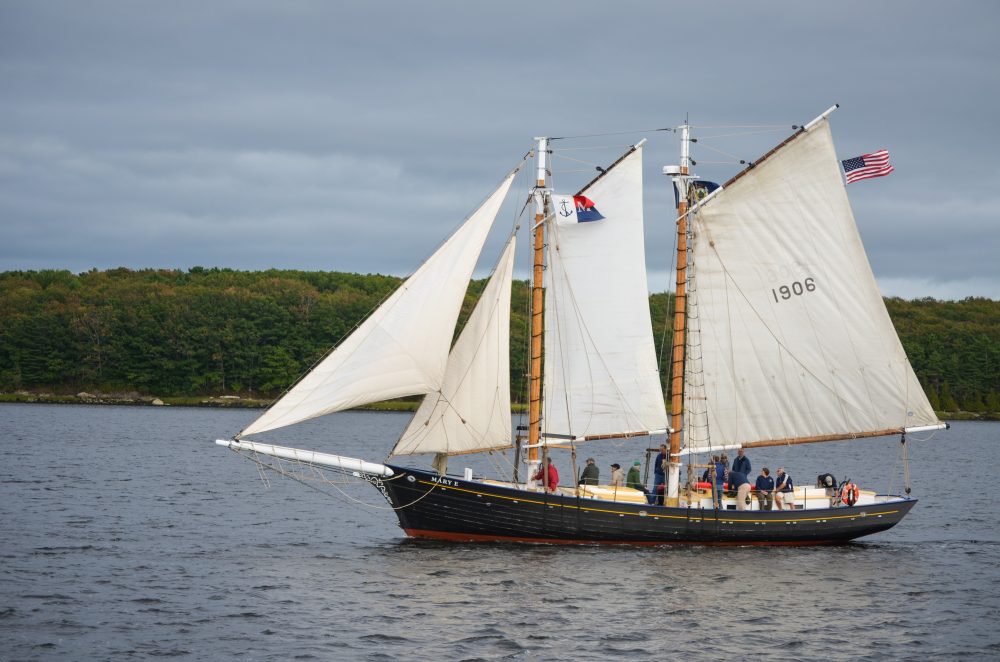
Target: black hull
(429, 506)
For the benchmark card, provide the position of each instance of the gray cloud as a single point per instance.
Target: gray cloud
(343, 136)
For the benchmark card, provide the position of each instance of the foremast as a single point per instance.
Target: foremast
(680, 178)
(537, 309)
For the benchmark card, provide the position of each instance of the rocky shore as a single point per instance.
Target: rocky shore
(133, 399)
(139, 400)
(244, 402)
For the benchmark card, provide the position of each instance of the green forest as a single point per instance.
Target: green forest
(221, 331)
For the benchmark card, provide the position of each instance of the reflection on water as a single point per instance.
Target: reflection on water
(127, 532)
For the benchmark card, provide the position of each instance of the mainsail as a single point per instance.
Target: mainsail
(471, 410)
(600, 369)
(402, 348)
(795, 340)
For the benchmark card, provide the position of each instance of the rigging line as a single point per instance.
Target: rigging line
(570, 158)
(615, 133)
(525, 185)
(719, 151)
(524, 379)
(742, 126)
(695, 359)
(896, 470)
(668, 326)
(281, 471)
(589, 147)
(350, 499)
(783, 127)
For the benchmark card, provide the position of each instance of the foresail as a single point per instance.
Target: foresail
(791, 336)
(402, 348)
(471, 411)
(600, 368)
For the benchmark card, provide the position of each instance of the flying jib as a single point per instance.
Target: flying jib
(797, 288)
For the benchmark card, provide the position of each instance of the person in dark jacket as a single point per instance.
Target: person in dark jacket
(765, 487)
(741, 463)
(590, 474)
(634, 480)
(721, 472)
(707, 475)
(659, 474)
(738, 481)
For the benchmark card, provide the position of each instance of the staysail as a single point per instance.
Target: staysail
(402, 348)
(600, 372)
(794, 338)
(471, 410)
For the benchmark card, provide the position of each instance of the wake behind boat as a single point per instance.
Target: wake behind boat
(780, 337)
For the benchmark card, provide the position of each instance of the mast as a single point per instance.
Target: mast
(680, 180)
(535, 385)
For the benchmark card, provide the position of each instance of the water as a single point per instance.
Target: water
(125, 533)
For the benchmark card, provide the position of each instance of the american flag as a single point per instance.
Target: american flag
(867, 166)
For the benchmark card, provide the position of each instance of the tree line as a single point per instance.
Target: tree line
(223, 331)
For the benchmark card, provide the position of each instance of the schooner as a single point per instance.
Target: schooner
(780, 337)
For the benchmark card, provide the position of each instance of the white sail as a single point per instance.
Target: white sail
(600, 365)
(794, 337)
(471, 411)
(402, 348)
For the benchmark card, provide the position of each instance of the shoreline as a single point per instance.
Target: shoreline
(240, 402)
(212, 401)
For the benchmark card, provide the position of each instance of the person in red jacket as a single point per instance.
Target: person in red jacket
(552, 482)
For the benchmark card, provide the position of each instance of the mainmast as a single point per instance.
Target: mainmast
(680, 180)
(537, 305)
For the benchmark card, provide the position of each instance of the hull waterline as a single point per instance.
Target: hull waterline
(449, 508)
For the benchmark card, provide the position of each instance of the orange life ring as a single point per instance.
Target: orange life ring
(703, 486)
(849, 494)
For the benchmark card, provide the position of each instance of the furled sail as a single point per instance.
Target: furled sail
(794, 339)
(402, 348)
(600, 365)
(471, 411)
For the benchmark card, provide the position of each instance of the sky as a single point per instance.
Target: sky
(354, 136)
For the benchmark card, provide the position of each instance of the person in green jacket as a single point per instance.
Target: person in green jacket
(590, 473)
(634, 480)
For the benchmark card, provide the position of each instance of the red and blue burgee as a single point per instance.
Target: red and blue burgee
(585, 209)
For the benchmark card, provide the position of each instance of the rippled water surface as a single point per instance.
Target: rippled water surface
(126, 533)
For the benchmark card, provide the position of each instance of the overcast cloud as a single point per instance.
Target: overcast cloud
(354, 136)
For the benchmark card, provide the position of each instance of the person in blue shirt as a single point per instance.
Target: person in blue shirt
(720, 479)
(738, 481)
(741, 463)
(783, 490)
(765, 486)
